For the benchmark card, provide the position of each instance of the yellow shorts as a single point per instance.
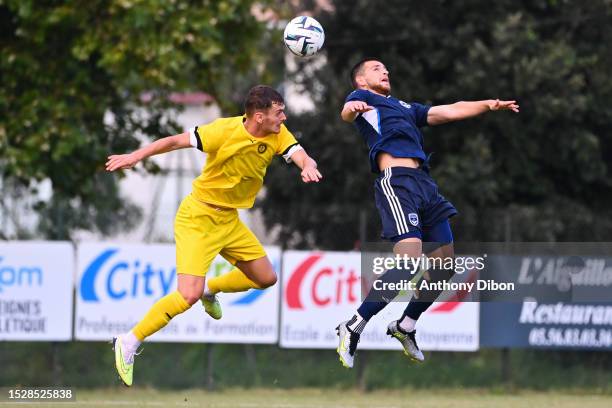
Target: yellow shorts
(202, 232)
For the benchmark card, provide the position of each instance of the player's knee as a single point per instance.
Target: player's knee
(267, 280)
(191, 295)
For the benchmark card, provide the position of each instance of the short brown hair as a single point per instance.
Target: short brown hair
(357, 68)
(261, 97)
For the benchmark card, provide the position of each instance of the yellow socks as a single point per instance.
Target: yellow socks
(233, 281)
(160, 314)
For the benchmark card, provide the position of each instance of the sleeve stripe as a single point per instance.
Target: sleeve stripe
(290, 151)
(289, 148)
(198, 139)
(192, 138)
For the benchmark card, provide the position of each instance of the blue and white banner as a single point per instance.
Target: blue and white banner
(36, 282)
(562, 301)
(118, 283)
(558, 325)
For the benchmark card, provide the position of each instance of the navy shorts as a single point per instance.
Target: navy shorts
(410, 205)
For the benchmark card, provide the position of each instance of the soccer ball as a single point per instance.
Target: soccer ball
(304, 36)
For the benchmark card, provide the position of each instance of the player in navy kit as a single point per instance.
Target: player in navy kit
(412, 210)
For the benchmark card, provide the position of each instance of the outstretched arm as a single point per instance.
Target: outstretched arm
(129, 160)
(308, 166)
(353, 108)
(463, 110)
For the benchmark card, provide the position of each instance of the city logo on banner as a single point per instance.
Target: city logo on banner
(323, 283)
(113, 277)
(117, 278)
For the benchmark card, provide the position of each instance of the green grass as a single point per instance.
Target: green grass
(307, 398)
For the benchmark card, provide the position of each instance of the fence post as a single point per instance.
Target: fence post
(251, 357)
(362, 381)
(56, 364)
(210, 367)
(506, 367)
(363, 231)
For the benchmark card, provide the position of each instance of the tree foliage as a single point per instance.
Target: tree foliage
(67, 66)
(541, 175)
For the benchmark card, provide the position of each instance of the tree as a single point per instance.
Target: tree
(541, 175)
(68, 65)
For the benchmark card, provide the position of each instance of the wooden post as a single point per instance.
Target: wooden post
(506, 367)
(251, 358)
(362, 363)
(210, 368)
(56, 365)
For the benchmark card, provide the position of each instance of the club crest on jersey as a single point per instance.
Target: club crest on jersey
(404, 104)
(262, 148)
(413, 218)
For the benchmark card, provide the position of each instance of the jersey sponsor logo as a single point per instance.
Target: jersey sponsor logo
(413, 218)
(262, 148)
(404, 104)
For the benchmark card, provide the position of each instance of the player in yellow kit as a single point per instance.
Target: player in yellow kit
(239, 151)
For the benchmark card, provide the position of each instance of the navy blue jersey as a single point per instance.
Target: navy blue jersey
(392, 126)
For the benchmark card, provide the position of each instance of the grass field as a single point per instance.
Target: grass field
(307, 398)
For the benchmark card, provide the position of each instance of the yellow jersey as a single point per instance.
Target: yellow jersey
(237, 161)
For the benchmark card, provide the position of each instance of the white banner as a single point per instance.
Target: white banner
(36, 282)
(118, 283)
(322, 289)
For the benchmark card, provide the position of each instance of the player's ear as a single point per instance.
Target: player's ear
(360, 81)
(258, 116)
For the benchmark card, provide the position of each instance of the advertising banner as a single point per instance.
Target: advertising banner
(36, 288)
(561, 301)
(118, 283)
(322, 289)
(547, 325)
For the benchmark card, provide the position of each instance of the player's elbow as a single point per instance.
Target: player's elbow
(347, 117)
